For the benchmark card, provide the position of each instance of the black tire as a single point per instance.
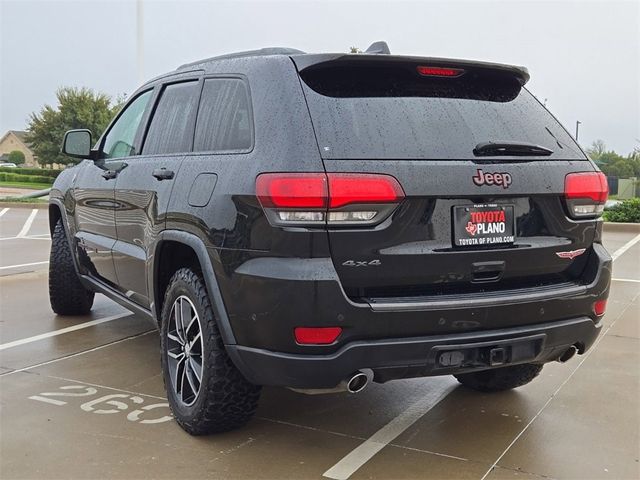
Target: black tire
(499, 379)
(225, 399)
(66, 294)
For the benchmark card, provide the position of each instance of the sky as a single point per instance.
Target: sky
(583, 56)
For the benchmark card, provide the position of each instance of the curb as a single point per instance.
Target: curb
(39, 206)
(621, 227)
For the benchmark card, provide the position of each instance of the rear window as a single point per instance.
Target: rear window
(171, 128)
(392, 112)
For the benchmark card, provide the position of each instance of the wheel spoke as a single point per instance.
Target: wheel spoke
(196, 341)
(185, 313)
(182, 384)
(192, 381)
(176, 355)
(175, 338)
(179, 375)
(194, 320)
(196, 368)
(177, 312)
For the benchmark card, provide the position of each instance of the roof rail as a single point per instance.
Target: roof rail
(248, 53)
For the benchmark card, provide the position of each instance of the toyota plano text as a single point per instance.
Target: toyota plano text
(324, 221)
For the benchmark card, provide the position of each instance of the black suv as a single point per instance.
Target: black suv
(321, 221)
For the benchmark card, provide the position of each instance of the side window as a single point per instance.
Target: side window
(119, 141)
(224, 120)
(170, 129)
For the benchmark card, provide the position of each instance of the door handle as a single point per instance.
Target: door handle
(163, 174)
(109, 174)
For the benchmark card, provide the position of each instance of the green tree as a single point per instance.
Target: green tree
(77, 108)
(354, 50)
(621, 169)
(17, 157)
(596, 150)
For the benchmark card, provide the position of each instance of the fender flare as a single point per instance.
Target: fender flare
(213, 289)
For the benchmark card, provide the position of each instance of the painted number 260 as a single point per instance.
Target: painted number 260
(108, 404)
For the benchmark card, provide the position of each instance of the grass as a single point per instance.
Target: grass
(33, 186)
(22, 200)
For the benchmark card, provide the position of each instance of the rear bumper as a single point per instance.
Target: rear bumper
(413, 357)
(397, 339)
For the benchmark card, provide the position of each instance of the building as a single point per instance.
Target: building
(15, 140)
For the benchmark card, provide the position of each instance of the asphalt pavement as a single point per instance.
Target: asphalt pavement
(82, 397)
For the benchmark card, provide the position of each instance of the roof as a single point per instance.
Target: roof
(248, 53)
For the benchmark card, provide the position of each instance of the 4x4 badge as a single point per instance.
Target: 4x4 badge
(571, 254)
(502, 179)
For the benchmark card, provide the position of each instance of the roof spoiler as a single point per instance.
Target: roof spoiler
(328, 60)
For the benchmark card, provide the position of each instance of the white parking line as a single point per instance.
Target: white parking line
(28, 223)
(626, 247)
(77, 354)
(44, 236)
(24, 265)
(55, 333)
(48, 400)
(346, 467)
(625, 280)
(3, 211)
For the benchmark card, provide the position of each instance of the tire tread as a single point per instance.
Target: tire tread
(230, 401)
(500, 379)
(67, 295)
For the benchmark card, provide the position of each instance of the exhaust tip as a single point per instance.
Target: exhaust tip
(568, 354)
(358, 382)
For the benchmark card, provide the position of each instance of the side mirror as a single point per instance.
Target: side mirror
(77, 143)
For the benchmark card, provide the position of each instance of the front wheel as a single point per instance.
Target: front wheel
(499, 379)
(67, 295)
(206, 392)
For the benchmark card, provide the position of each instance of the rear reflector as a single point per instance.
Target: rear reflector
(439, 71)
(600, 307)
(317, 335)
(300, 199)
(586, 193)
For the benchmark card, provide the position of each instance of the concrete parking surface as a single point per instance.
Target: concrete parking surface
(83, 398)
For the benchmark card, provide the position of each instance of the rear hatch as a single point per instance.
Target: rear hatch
(482, 165)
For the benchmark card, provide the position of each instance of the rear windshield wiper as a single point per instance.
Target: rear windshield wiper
(516, 149)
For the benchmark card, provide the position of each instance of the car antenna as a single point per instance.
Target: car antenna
(378, 48)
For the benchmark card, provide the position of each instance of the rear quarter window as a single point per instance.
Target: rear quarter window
(224, 122)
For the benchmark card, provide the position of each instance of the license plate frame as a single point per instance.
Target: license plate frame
(483, 225)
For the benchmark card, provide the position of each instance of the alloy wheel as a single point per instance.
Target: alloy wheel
(185, 350)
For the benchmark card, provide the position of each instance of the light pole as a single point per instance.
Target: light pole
(140, 41)
(578, 122)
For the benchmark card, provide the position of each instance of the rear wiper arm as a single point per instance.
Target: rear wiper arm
(517, 149)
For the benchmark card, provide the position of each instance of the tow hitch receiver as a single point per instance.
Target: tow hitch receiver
(483, 355)
(497, 356)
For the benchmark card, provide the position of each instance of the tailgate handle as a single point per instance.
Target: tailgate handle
(487, 271)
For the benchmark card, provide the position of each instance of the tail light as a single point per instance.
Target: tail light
(317, 199)
(586, 193)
